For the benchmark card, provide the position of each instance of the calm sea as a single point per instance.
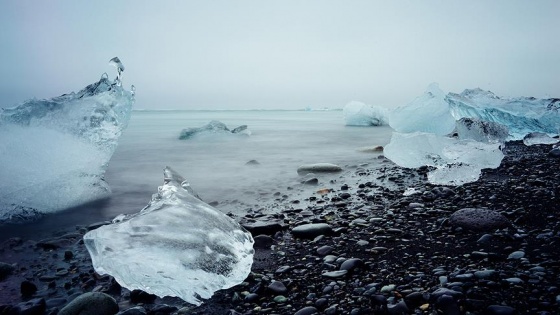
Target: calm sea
(215, 165)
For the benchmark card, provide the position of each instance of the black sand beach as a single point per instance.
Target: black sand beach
(380, 252)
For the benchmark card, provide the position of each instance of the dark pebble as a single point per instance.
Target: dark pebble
(27, 288)
(308, 310)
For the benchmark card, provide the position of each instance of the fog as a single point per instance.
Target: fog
(282, 54)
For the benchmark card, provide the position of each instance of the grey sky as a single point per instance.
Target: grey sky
(279, 54)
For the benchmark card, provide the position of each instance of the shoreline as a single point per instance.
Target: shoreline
(400, 253)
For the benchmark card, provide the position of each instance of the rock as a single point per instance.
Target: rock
(253, 162)
(27, 288)
(554, 153)
(137, 310)
(478, 219)
(324, 250)
(398, 309)
(33, 307)
(447, 305)
(318, 168)
(91, 303)
(277, 287)
(263, 241)
(262, 227)
(516, 255)
(335, 274)
(312, 230)
(308, 310)
(500, 310)
(5, 270)
(139, 296)
(351, 264)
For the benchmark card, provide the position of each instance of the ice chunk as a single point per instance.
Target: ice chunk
(116, 62)
(427, 113)
(176, 246)
(214, 127)
(521, 115)
(54, 152)
(539, 138)
(483, 131)
(456, 162)
(360, 114)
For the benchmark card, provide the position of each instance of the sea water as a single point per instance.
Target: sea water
(216, 165)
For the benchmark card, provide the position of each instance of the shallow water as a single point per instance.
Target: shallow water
(215, 165)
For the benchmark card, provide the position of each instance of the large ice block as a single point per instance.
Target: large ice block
(427, 113)
(54, 152)
(176, 246)
(455, 161)
(521, 115)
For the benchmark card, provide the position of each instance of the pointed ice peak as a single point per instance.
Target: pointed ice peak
(435, 90)
(116, 62)
(172, 178)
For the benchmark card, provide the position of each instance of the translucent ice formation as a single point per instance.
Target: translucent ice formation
(360, 114)
(521, 115)
(456, 162)
(176, 246)
(54, 152)
(480, 130)
(539, 138)
(213, 128)
(427, 113)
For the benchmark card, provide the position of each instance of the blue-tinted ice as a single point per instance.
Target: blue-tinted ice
(54, 152)
(176, 246)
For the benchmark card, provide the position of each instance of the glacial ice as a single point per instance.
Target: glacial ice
(214, 127)
(454, 161)
(54, 152)
(534, 138)
(480, 130)
(427, 113)
(360, 114)
(521, 115)
(176, 246)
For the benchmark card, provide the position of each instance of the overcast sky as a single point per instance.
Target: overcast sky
(279, 54)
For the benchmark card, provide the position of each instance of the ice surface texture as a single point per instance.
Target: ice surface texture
(538, 138)
(521, 115)
(54, 152)
(427, 113)
(456, 162)
(360, 114)
(176, 246)
(480, 130)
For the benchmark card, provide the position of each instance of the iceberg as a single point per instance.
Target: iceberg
(360, 114)
(176, 246)
(214, 127)
(480, 130)
(521, 115)
(454, 161)
(427, 113)
(54, 152)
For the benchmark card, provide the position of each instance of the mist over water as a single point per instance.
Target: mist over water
(215, 164)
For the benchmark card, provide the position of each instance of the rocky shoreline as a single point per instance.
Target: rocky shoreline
(362, 248)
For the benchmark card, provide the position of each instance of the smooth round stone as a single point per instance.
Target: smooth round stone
(252, 297)
(27, 288)
(5, 270)
(351, 264)
(387, 288)
(277, 287)
(312, 230)
(325, 250)
(447, 305)
(362, 243)
(308, 310)
(280, 299)
(318, 168)
(91, 303)
(514, 280)
(329, 259)
(516, 255)
(478, 219)
(484, 239)
(483, 274)
(500, 310)
(335, 274)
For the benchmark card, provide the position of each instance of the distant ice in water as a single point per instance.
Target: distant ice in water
(214, 127)
(360, 114)
(176, 246)
(54, 152)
